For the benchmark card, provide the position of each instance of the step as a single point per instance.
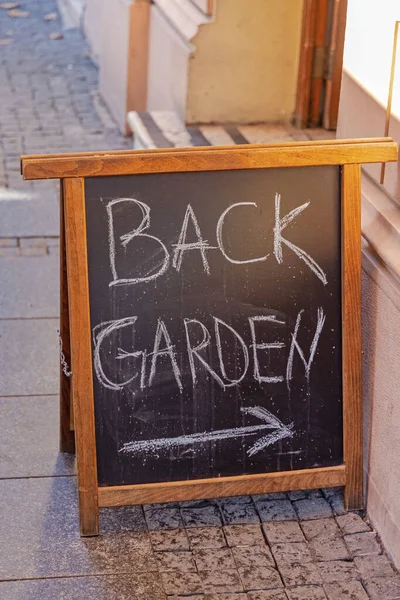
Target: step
(164, 129)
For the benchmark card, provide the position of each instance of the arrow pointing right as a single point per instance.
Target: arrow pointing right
(269, 421)
(281, 431)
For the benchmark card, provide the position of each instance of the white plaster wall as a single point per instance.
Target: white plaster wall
(93, 25)
(113, 59)
(71, 12)
(169, 53)
(369, 44)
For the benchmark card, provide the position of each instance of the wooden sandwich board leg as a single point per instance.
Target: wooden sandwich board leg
(67, 436)
(352, 344)
(81, 354)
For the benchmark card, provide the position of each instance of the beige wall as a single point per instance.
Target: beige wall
(244, 66)
(238, 66)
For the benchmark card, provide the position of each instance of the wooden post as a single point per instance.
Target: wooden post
(67, 437)
(352, 345)
(78, 291)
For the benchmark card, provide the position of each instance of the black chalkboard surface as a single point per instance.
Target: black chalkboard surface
(215, 307)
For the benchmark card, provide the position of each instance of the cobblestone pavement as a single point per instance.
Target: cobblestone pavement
(296, 546)
(49, 101)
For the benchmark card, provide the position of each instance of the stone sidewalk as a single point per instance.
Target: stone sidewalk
(297, 546)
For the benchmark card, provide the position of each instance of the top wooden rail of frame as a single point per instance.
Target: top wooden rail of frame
(213, 158)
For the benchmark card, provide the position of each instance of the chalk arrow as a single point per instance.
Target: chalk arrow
(269, 421)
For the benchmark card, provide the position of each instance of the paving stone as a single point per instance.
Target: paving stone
(33, 251)
(327, 549)
(223, 597)
(336, 502)
(373, 566)
(287, 531)
(53, 250)
(214, 559)
(383, 588)
(313, 508)
(243, 535)
(298, 573)
(320, 529)
(201, 517)
(181, 583)
(39, 519)
(348, 590)
(197, 503)
(30, 441)
(276, 510)
(32, 242)
(206, 537)
(297, 495)
(8, 242)
(122, 518)
(234, 500)
(191, 597)
(260, 578)
(362, 544)
(223, 581)
(35, 217)
(306, 592)
(164, 518)
(29, 287)
(337, 570)
(9, 253)
(176, 562)
(159, 506)
(352, 523)
(233, 513)
(169, 539)
(110, 587)
(253, 556)
(267, 595)
(291, 552)
(31, 366)
(272, 496)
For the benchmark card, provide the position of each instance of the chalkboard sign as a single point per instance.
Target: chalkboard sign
(214, 306)
(216, 322)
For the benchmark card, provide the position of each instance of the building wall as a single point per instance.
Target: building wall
(240, 65)
(93, 26)
(381, 369)
(362, 110)
(244, 66)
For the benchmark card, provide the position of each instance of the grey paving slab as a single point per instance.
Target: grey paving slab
(116, 587)
(30, 287)
(39, 520)
(29, 438)
(29, 357)
(38, 216)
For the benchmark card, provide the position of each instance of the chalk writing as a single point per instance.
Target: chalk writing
(161, 258)
(269, 421)
(164, 346)
(280, 225)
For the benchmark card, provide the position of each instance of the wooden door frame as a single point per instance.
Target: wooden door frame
(320, 64)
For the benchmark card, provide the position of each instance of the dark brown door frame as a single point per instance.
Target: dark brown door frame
(320, 63)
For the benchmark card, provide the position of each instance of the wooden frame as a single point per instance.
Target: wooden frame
(72, 169)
